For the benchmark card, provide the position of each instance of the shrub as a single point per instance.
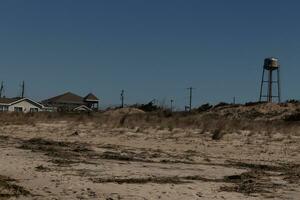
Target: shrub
(221, 104)
(204, 107)
(293, 117)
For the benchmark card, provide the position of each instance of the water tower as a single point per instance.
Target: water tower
(271, 67)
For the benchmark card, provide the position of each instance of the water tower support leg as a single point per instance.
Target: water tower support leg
(261, 85)
(278, 84)
(270, 96)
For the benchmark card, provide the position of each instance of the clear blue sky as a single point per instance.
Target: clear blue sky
(152, 49)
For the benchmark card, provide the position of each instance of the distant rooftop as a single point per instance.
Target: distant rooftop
(9, 100)
(91, 97)
(70, 98)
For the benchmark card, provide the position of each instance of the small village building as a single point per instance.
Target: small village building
(70, 102)
(18, 104)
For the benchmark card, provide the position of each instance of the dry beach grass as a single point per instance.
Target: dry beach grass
(226, 152)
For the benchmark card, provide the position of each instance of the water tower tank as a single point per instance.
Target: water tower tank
(271, 63)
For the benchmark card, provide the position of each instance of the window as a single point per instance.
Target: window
(18, 109)
(5, 108)
(34, 110)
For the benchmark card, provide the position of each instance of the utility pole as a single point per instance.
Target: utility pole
(233, 100)
(1, 89)
(191, 97)
(23, 89)
(172, 101)
(122, 98)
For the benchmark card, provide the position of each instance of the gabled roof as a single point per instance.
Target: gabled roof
(82, 108)
(12, 101)
(91, 97)
(28, 100)
(68, 97)
(8, 100)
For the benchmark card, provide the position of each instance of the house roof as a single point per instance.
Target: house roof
(91, 97)
(8, 100)
(12, 101)
(82, 108)
(68, 97)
